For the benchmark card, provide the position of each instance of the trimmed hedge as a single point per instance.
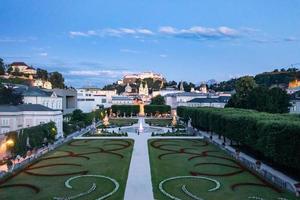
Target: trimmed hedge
(134, 109)
(275, 136)
(36, 136)
(127, 109)
(161, 109)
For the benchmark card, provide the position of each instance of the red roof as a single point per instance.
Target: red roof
(18, 64)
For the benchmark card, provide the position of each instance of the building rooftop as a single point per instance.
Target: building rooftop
(221, 99)
(18, 64)
(33, 92)
(24, 107)
(185, 94)
(122, 98)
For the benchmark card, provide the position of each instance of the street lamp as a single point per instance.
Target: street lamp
(10, 143)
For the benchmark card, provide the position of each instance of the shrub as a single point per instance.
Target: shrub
(275, 136)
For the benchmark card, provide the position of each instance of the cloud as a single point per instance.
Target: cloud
(200, 32)
(11, 40)
(99, 73)
(129, 51)
(163, 55)
(290, 39)
(145, 31)
(43, 54)
(119, 32)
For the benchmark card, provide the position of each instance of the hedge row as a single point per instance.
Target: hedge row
(37, 135)
(275, 136)
(161, 109)
(134, 109)
(127, 109)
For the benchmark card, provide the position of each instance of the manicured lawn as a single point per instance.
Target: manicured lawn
(200, 160)
(46, 178)
(159, 122)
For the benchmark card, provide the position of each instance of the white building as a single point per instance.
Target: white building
(295, 103)
(27, 115)
(182, 98)
(33, 95)
(69, 99)
(91, 99)
(216, 102)
(122, 100)
(165, 92)
(42, 84)
(97, 91)
(132, 78)
(22, 68)
(143, 89)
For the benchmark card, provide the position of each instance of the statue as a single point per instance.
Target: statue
(174, 121)
(142, 111)
(105, 120)
(190, 123)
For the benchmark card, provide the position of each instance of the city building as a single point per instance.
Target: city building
(88, 100)
(27, 115)
(209, 101)
(132, 78)
(34, 95)
(22, 68)
(182, 98)
(97, 91)
(203, 88)
(42, 84)
(122, 100)
(143, 89)
(165, 92)
(295, 103)
(69, 99)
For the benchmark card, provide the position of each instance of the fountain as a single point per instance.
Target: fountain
(141, 128)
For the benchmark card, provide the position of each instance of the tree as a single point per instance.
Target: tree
(170, 84)
(57, 80)
(279, 101)
(78, 116)
(42, 74)
(243, 87)
(187, 86)
(2, 67)
(263, 99)
(8, 96)
(158, 100)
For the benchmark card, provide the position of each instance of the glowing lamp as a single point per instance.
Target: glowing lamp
(10, 143)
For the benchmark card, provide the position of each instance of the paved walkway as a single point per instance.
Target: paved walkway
(139, 184)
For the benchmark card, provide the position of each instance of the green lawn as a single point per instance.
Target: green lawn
(123, 122)
(197, 158)
(46, 178)
(159, 122)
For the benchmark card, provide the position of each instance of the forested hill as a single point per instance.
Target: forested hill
(277, 77)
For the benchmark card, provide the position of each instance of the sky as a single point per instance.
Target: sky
(96, 42)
